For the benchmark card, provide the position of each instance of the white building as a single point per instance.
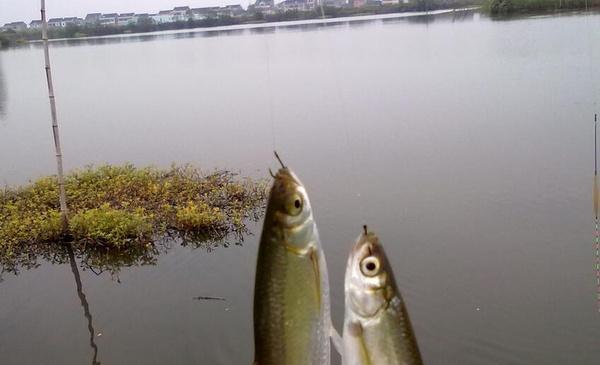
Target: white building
(92, 19)
(72, 21)
(126, 18)
(204, 13)
(164, 16)
(181, 13)
(35, 24)
(140, 17)
(296, 5)
(56, 23)
(265, 6)
(108, 19)
(15, 26)
(235, 10)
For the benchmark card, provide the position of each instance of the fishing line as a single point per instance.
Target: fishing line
(270, 93)
(355, 176)
(591, 65)
(596, 195)
(340, 104)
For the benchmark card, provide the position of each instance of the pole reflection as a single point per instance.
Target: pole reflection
(84, 304)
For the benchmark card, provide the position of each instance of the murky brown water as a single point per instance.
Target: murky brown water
(465, 143)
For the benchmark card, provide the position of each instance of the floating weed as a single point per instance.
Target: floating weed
(106, 225)
(198, 215)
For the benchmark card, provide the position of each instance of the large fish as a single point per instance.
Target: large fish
(377, 330)
(291, 294)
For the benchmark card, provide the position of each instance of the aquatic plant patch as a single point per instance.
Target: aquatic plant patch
(117, 207)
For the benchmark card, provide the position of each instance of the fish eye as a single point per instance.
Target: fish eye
(294, 204)
(370, 266)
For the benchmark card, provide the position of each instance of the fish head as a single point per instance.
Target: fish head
(289, 209)
(369, 283)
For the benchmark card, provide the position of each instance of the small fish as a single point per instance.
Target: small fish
(377, 330)
(291, 295)
(201, 297)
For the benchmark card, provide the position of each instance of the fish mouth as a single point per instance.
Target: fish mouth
(285, 182)
(287, 175)
(366, 245)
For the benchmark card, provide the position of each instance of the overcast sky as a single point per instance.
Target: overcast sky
(27, 10)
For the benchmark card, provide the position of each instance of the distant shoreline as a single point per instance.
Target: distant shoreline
(267, 24)
(493, 8)
(26, 37)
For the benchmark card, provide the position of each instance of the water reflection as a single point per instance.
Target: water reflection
(84, 303)
(265, 30)
(356, 23)
(455, 16)
(116, 39)
(462, 16)
(423, 19)
(184, 35)
(101, 260)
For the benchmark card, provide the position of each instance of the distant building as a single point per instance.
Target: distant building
(199, 13)
(15, 26)
(141, 17)
(163, 16)
(204, 13)
(108, 19)
(35, 24)
(92, 18)
(264, 6)
(358, 3)
(181, 13)
(72, 21)
(335, 3)
(235, 10)
(298, 5)
(55, 23)
(223, 12)
(126, 18)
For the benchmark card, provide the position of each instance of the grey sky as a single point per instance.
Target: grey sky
(27, 10)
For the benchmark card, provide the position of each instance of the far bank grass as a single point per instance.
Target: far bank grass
(510, 7)
(118, 207)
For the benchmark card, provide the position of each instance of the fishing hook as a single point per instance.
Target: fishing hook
(279, 159)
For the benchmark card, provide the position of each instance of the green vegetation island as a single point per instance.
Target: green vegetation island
(125, 212)
(502, 8)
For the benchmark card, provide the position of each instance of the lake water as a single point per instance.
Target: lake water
(465, 143)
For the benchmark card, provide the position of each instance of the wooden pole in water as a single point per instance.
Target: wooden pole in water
(596, 166)
(59, 162)
(597, 233)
